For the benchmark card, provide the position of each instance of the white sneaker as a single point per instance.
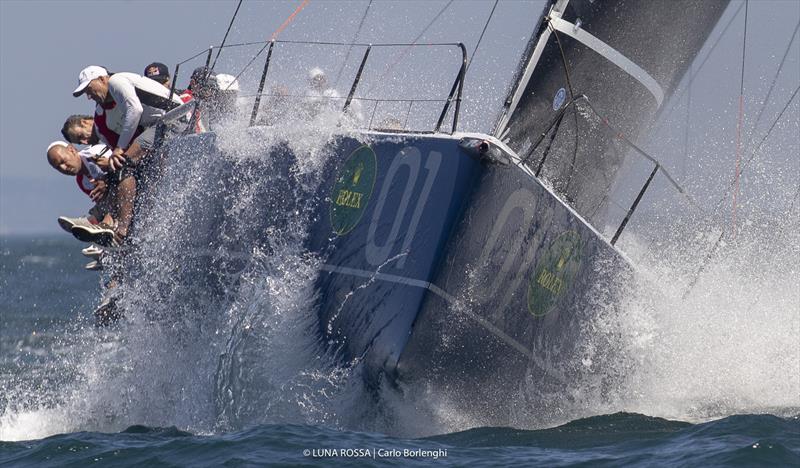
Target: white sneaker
(94, 252)
(68, 223)
(100, 234)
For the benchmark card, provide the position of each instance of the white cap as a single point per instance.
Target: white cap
(315, 72)
(57, 143)
(227, 82)
(87, 75)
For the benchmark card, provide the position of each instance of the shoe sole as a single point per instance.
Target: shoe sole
(103, 237)
(65, 224)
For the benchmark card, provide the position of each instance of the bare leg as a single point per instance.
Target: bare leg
(126, 193)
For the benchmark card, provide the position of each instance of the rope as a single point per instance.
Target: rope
(572, 98)
(794, 200)
(643, 153)
(771, 127)
(716, 245)
(775, 79)
(739, 125)
(686, 132)
(402, 55)
(226, 35)
(350, 49)
(288, 20)
(469, 64)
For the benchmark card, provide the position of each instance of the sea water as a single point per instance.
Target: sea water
(51, 415)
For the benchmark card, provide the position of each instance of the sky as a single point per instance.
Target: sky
(44, 44)
(695, 137)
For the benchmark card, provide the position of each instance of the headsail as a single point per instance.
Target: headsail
(625, 57)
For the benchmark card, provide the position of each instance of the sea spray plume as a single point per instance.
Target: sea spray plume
(272, 369)
(32, 401)
(730, 345)
(219, 267)
(238, 259)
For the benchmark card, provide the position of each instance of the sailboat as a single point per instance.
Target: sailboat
(467, 262)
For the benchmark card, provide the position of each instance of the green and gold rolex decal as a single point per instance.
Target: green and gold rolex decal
(554, 273)
(353, 189)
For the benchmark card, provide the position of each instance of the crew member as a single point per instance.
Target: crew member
(79, 130)
(128, 107)
(89, 168)
(157, 71)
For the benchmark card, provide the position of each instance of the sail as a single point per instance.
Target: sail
(613, 61)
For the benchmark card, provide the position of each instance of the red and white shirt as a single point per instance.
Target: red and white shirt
(93, 171)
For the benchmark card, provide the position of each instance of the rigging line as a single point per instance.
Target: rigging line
(702, 64)
(288, 20)
(274, 36)
(642, 152)
(718, 242)
(553, 123)
(686, 132)
(469, 64)
(572, 98)
(233, 18)
(402, 55)
(775, 79)
(739, 124)
(771, 127)
(350, 49)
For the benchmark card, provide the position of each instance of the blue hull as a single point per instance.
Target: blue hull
(437, 264)
(452, 267)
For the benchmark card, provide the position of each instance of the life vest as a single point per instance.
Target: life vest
(110, 136)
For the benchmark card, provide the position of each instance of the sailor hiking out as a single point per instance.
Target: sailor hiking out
(128, 107)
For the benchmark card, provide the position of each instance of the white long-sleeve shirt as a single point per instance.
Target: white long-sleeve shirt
(137, 102)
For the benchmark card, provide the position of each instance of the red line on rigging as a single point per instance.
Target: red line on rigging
(288, 20)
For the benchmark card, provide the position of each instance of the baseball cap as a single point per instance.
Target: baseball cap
(157, 71)
(87, 75)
